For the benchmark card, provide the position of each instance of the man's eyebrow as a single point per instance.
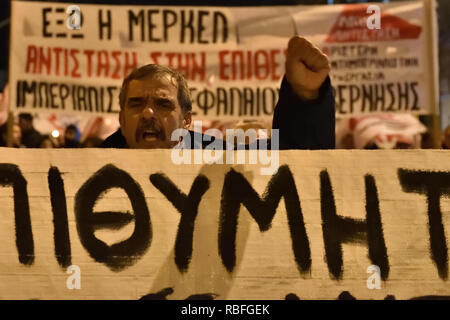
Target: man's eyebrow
(135, 99)
(163, 100)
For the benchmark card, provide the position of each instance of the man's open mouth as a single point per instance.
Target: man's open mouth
(151, 135)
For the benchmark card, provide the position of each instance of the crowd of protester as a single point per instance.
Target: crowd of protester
(424, 142)
(388, 131)
(25, 135)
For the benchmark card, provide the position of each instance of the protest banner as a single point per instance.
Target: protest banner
(383, 63)
(72, 59)
(125, 224)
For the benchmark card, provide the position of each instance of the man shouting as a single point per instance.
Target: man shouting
(155, 101)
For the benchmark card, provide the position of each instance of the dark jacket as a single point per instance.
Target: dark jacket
(31, 138)
(302, 124)
(305, 124)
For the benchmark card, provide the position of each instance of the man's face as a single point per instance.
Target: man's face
(152, 112)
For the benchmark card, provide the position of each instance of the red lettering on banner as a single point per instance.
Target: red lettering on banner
(274, 65)
(75, 72)
(248, 65)
(234, 64)
(115, 55)
(223, 65)
(45, 60)
(77, 63)
(31, 59)
(89, 54)
(264, 65)
(351, 26)
(57, 52)
(199, 69)
(102, 63)
(188, 64)
(130, 66)
(66, 62)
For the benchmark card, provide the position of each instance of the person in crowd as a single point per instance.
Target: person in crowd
(426, 141)
(72, 137)
(31, 138)
(47, 142)
(155, 101)
(92, 142)
(347, 141)
(17, 136)
(446, 138)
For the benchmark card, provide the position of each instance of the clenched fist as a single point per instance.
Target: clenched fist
(306, 67)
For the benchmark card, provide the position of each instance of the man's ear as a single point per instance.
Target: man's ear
(187, 120)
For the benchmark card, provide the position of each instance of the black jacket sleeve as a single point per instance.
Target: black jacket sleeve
(305, 124)
(116, 140)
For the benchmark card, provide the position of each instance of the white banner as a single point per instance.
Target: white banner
(73, 59)
(380, 56)
(122, 224)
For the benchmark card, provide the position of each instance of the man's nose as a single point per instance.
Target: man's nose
(148, 111)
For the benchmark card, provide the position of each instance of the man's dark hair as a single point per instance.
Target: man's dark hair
(26, 116)
(155, 70)
(71, 127)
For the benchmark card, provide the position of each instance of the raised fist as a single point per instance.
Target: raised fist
(306, 67)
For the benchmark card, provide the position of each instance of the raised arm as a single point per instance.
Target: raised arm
(305, 111)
